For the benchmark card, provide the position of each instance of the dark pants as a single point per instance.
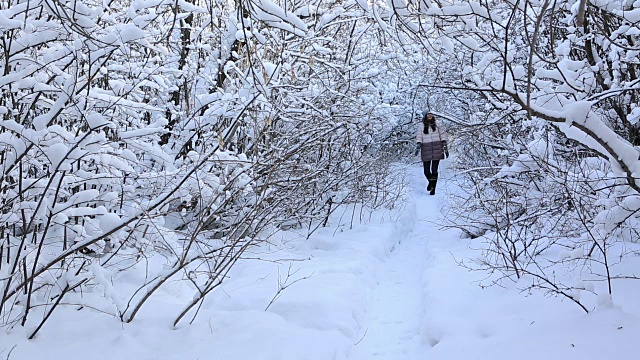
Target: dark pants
(431, 169)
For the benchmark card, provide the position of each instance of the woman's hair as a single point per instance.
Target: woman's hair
(428, 123)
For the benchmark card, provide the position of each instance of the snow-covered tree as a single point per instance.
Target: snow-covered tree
(151, 141)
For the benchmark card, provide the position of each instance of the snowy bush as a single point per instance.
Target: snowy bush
(148, 143)
(547, 150)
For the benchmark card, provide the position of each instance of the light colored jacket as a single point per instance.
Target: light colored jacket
(431, 147)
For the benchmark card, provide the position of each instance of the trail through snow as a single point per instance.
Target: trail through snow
(396, 316)
(426, 306)
(387, 289)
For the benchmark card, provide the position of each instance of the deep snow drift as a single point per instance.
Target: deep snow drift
(387, 289)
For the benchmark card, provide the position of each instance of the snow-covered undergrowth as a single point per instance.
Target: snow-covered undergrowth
(466, 321)
(389, 288)
(553, 221)
(318, 314)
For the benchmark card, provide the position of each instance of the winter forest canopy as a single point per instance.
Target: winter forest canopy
(158, 140)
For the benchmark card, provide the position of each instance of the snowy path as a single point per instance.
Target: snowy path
(425, 306)
(382, 290)
(397, 314)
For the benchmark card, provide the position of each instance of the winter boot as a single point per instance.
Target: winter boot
(430, 185)
(433, 186)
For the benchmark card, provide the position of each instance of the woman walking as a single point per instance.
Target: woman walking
(432, 144)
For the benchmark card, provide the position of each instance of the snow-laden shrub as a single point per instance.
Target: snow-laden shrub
(142, 146)
(547, 151)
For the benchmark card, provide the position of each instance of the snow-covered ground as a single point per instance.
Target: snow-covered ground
(387, 289)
